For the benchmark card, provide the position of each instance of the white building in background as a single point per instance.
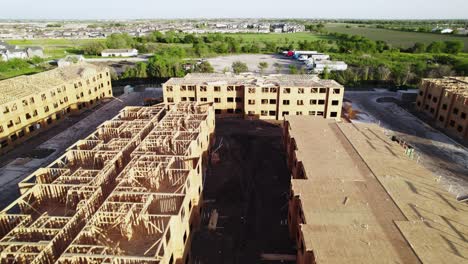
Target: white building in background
(119, 53)
(446, 31)
(462, 31)
(13, 54)
(35, 52)
(8, 52)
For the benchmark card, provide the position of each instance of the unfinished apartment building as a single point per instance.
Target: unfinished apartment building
(356, 197)
(31, 104)
(446, 102)
(263, 97)
(128, 193)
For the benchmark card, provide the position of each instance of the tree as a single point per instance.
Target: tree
(454, 46)
(320, 27)
(418, 47)
(255, 48)
(441, 71)
(221, 47)
(204, 67)
(238, 67)
(139, 71)
(201, 49)
(326, 73)
(402, 74)
(293, 69)
(436, 47)
(277, 67)
(383, 73)
(234, 46)
(94, 48)
(119, 41)
(262, 66)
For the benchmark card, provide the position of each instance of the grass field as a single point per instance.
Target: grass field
(393, 37)
(55, 48)
(18, 72)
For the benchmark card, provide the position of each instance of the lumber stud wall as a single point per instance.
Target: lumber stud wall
(128, 193)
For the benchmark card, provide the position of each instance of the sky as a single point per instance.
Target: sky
(157, 9)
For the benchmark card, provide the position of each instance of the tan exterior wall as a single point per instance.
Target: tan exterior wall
(295, 214)
(261, 102)
(23, 117)
(228, 99)
(447, 108)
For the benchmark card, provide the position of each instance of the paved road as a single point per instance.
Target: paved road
(12, 173)
(447, 159)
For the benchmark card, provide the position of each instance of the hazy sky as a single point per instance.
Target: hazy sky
(121, 9)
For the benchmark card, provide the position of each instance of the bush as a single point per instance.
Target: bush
(238, 67)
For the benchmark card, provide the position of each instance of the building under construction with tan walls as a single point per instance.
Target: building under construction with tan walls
(446, 102)
(356, 197)
(128, 193)
(31, 104)
(263, 97)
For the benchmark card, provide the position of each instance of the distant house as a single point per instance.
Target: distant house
(5, 46)
(462, 31)
(9, 54)
(35, 52)
(446, 31)
(3, 56)
(119, 53)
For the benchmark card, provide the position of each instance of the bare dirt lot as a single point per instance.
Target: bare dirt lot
(252, 61)
(447, 159)
(249, 188)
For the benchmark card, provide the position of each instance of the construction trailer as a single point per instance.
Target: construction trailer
(128, 193)
(32, 104)
(321, 65)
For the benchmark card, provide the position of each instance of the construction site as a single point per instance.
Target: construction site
(365, 200)
(32, 104)
(265, 97)
(445, 101)
(128, 193)
(247, 183)
(163, 184)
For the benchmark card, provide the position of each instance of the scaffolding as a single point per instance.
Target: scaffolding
(114, 196)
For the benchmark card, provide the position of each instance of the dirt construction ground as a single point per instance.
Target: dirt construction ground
(252, 61)
(447, 159)
(249, 188)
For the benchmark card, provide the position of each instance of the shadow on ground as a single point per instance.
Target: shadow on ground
(249, 188)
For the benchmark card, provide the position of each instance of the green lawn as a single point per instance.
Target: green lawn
(55, 48)
(393, 37)
(18, 72)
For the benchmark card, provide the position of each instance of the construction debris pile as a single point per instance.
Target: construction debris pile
(125, 194)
